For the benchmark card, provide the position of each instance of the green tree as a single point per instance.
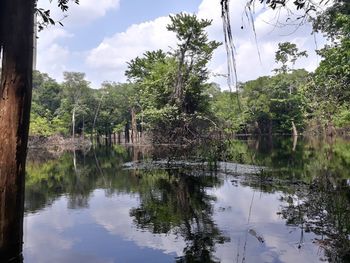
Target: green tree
(75, 93)
(193, 53)
(287, 53)
(328, 93)
(273, 104)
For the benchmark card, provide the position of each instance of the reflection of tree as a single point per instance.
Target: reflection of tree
(312, 177)
(47, 181)
(323, 209)
(11, 220)
(176, 200)
(172, 200)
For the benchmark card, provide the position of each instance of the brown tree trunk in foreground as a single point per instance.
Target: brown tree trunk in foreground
(16, 35)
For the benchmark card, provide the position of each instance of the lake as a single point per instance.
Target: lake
(247, 200)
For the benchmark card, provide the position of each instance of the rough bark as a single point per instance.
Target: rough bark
(15, 98)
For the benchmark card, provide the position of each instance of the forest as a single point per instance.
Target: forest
(194, 181)
(168, 95)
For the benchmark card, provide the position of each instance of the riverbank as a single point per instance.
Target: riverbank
(59, 143)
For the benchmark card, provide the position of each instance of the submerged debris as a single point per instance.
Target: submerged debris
(224, 167)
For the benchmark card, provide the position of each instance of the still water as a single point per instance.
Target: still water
(238, 201)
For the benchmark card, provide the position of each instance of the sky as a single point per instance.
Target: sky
(99, 39)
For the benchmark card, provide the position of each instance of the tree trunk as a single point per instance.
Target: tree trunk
(119, 137)
(106, 137)
(98, 139)
(83, 129)
(73, 123)
(179, 85)
(294, 129)
(16, 37)
(126, 133)
(11, 224)
(133, 126)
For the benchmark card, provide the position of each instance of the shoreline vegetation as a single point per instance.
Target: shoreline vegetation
(168, 97)
(58, 143)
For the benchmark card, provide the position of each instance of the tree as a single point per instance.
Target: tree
(328, 92)
(172, 88)
(75, 89)
(115, 103)
(193, 53)
(16, 46)
(287, 53)
(15, 99)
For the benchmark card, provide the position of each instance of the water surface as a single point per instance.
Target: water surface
(239, 201)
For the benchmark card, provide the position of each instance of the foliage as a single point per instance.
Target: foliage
(171, 88)
(287, 53)
(43, 15)
(170, 96)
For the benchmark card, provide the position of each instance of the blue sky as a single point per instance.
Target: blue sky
(99, 39)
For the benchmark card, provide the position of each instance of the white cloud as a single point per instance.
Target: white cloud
(52, 57)
(107, 61)
(111, 55)
(79, 15)
(248, 63)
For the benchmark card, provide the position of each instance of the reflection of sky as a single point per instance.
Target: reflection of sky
(104, 232)
(280, 242)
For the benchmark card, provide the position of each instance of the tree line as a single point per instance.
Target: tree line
(169, 96)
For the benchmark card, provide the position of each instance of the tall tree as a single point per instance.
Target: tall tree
(193, 52)
(287, 53)
(75, 88)
(15, 99)
(16, 46)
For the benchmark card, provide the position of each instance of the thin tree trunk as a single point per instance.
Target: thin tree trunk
(98, 139)
(75, 161)
(16, 37)
(106, 136)
(83, 129)
(126, 133)
(73, 123)
(294, 129)
(133, 126)
(179, 78)
(119, 137)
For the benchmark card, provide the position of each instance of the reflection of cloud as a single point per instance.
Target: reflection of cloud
(44, 239)
(64, 235)
(113, 215)
(280, 242)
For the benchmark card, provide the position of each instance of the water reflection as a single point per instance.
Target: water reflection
(178, 201)
(11, 222)
(91, 207)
